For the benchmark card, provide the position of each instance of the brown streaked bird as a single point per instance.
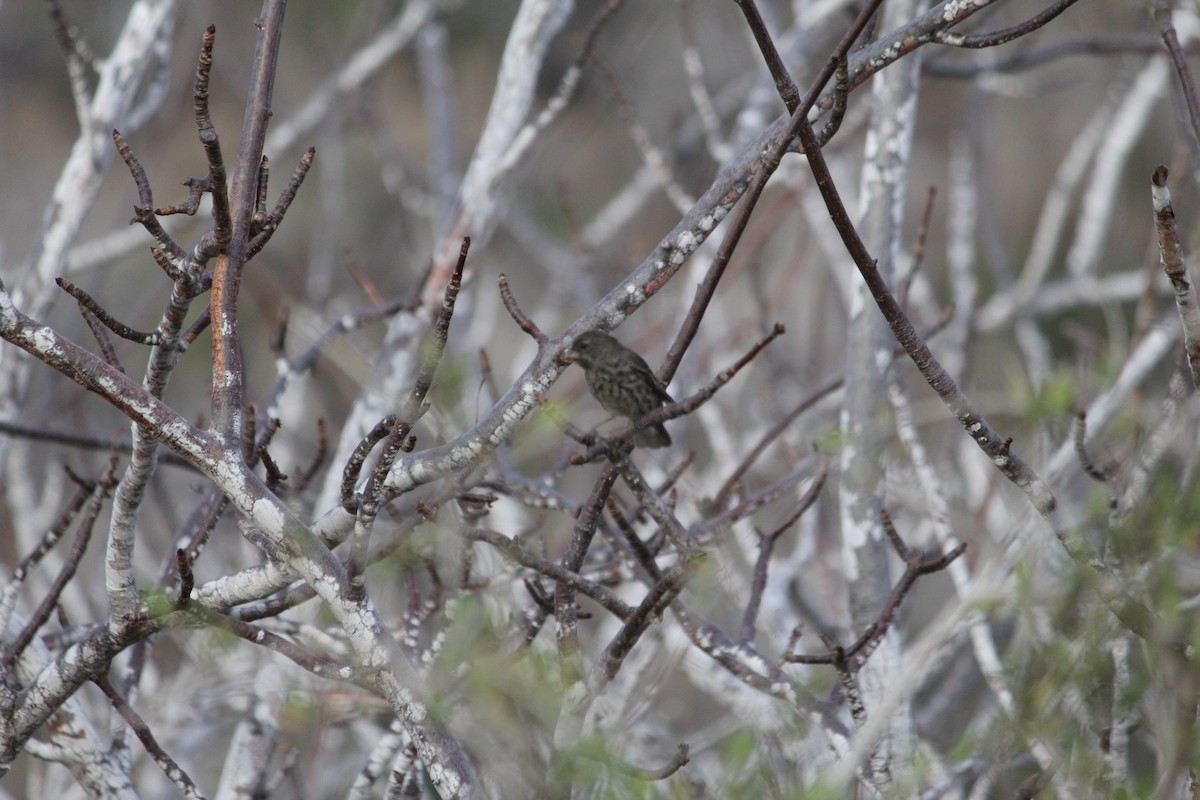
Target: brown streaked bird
(622, 382)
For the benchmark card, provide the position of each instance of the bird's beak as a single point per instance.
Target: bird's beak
(569, 357)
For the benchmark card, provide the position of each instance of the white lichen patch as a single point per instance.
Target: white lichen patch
(227, 472)
(268, 515)
(414, 710)
(784, 690)
(43, 340)
(710, 220)
(956, 8)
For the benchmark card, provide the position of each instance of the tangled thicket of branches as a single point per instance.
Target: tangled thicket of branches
(291, 570)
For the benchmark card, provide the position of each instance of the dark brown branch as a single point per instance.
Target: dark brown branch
(265, 225)
(656, 600)
(176, 271)
(653, 504)
(637, 547)
(175, 773)
(1134, 43)
(86, 441)
(368, 508)
(784, 85)
(275, 477)
(431, 350)
(519, 316)
(699, 398)
(250, 421)
(766, 548)
(148, 338)
(358, 457)
(87, 521)
(187, 581)
(441, 332)
(69, 38)
(854, 700)
(196, 188)
(1170, 253)
(555, 572)
(678, 762)
(841, 97)
(143, 212)
(217, 182)
(857, 654)
(195, 533)
(918, 250)
(228, 375)
(202, 323)
(107, 351)
(259, 220)
(979, 40)
(572, 560)
(1079, 435)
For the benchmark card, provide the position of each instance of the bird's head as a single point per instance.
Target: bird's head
(590, 346)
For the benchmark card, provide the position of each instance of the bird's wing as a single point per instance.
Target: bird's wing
(644, 369)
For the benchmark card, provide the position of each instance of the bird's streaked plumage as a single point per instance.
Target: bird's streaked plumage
(622, 382)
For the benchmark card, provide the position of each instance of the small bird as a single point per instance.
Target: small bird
(622, 382)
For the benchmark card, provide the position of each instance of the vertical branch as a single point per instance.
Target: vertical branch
(565, 613)
(228, 372)
(1170, 254)
(1187, 84)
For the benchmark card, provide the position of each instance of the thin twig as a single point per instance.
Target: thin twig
(857, 654)
(523, 321)
(87, 521)
(143, 212)
(555, 572)
(148, 338)
(264, 226)
(766, 548)
(659, 597)
(1171, 255)
(980, 40)
(175, 773)
(1079, 435)
(358, 457)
